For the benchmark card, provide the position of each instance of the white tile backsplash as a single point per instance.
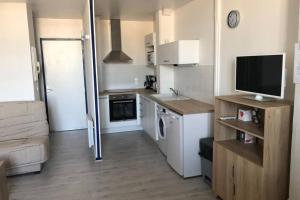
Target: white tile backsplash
(124, 76)
(195, 82)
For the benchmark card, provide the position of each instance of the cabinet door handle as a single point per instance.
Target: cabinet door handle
(166, 61)
(233, 189)
(118, 102)
(233, 171)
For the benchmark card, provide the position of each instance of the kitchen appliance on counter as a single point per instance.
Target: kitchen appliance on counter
(122, 107)
(150, 82)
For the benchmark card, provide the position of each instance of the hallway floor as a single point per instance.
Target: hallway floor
(133, 169)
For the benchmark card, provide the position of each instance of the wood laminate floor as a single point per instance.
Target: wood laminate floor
(132, 169)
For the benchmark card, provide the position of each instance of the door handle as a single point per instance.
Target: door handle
(49, 90)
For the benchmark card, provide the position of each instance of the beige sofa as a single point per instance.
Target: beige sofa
(24, 136)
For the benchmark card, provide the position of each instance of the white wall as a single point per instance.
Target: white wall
(165, 75)
(33, 44)
(55, 28)
(195, 21)
(195, 82)
(164, 28)
(123, 76)
(164, 25)
(295, 158)
(268, 26)
(58, 28)
(15, 55)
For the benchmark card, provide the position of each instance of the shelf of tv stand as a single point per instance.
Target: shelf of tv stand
(240, 100)
(247, 127)
(263, 166)
(251, 152)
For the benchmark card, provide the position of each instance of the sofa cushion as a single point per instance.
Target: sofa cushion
(23, 152)
(21, 120)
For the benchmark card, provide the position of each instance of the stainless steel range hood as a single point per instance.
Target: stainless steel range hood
(116, 55)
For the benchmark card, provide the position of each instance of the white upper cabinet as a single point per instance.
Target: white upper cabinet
(150, 40)
(181, 52)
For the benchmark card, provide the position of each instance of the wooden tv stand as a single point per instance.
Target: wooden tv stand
(257, 171)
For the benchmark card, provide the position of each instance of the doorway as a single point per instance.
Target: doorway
(64, 84)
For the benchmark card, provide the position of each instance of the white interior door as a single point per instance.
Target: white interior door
(63, 64)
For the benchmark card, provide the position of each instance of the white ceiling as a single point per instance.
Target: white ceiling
(54, 8)
(133, 9)
(124, 9)
(57, 8)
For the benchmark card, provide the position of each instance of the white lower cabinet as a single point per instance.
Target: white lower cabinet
(148, 117)
(151, 117)
(175, 142)
(183, 134)
(104, 112)
(143, 111)
(195, 127)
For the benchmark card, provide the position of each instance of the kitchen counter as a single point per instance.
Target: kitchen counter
(182, 107)
(187, 107)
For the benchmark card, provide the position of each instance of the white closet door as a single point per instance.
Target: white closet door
(63, 62)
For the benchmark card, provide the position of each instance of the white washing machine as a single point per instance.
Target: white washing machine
(162, 114)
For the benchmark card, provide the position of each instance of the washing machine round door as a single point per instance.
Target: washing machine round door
(162, 128)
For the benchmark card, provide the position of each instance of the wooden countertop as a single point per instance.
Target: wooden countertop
(182, 107)
(188, 107)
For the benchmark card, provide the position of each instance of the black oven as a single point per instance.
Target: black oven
(122, 107)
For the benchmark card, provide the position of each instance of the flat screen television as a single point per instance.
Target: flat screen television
(261, 75)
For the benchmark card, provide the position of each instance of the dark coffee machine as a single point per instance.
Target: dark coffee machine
(150, 82)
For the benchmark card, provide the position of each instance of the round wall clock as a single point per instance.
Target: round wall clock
(233, 19)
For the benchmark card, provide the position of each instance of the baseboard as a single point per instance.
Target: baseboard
(121, 129)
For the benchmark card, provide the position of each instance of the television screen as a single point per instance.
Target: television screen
(260, 74)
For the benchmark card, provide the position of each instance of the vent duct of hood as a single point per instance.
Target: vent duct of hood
(116, 55)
